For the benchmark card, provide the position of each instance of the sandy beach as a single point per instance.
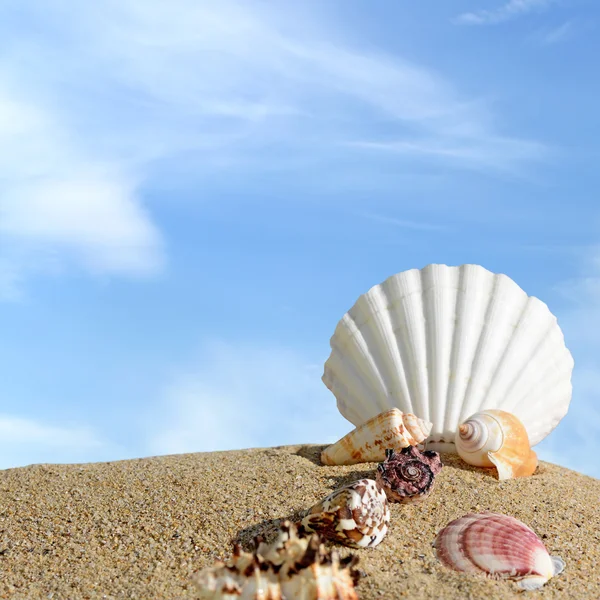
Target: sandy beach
(141, 528)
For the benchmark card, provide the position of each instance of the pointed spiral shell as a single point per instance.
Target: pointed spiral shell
(367, 443)
(499, 546)
(496, 438)
(408, 475)
(356, 515)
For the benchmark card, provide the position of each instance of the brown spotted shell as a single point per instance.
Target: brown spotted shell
(356, 515)
(293, 566)
(409, 475)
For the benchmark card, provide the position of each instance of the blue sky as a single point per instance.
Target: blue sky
(192, 194)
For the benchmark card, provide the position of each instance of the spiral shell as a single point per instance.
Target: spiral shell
(495, 438)
(408, 476)
(367, 443)
(291, 567)
(498, 546)
(356, 515)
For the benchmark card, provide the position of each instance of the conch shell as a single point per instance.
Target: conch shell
(498, 546)
(291, 567)
(368, 442)
(356, 515)
(408, 476)
(495, 438)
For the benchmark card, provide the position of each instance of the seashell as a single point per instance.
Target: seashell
(292, 566)
(408, 476)
(367, 443)
(446, 342)
(498, 546)
(356, 515)
(495, 438)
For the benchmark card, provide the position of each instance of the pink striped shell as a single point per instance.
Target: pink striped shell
(498, 546)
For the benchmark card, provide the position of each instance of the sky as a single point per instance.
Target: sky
(193, 193)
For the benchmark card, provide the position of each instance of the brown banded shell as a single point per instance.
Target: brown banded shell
(409, 475)
(294, 566)
(498, 546)
(356, 515)
(367, 443)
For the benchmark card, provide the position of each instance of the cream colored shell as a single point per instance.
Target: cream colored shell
(495, 438)
(446, 342)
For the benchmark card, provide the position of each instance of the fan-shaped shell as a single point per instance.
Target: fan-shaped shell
(368, 443)
(495, 438)
(356, 515)
(498, 546)
(446, 342)
(293, 566)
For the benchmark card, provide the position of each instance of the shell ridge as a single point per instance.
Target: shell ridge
(444, 298)
(367, 368)
(470, 401)
(400, 377)
(455, 352)
(346, 393)
(412, 345)
(504, 357)
(486, 536)
(530, 365)
(428, 287)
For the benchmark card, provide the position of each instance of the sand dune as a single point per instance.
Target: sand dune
(140, 528)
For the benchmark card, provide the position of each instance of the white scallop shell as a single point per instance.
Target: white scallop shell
(446, 342)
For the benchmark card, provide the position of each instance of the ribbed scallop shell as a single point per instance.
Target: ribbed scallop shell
(356, 515)
(409, 475)
(446, 342)
(291, 567)
(498, 546)
(367, 443)
(495, 438)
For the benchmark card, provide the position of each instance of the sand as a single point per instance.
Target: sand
(140, 528)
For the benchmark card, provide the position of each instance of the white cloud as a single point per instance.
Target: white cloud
(506, 12)
(60, 206)
(25, 441)
(93, 96)
(243, 396)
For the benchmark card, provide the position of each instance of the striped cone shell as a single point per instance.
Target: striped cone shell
(498, 546)
(356, 515)
(368, 442)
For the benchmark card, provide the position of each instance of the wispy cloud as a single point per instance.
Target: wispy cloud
(402, 223)
(506, 12)
(242, 396)
(555, 35)
(93, 97)
(25, 441)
